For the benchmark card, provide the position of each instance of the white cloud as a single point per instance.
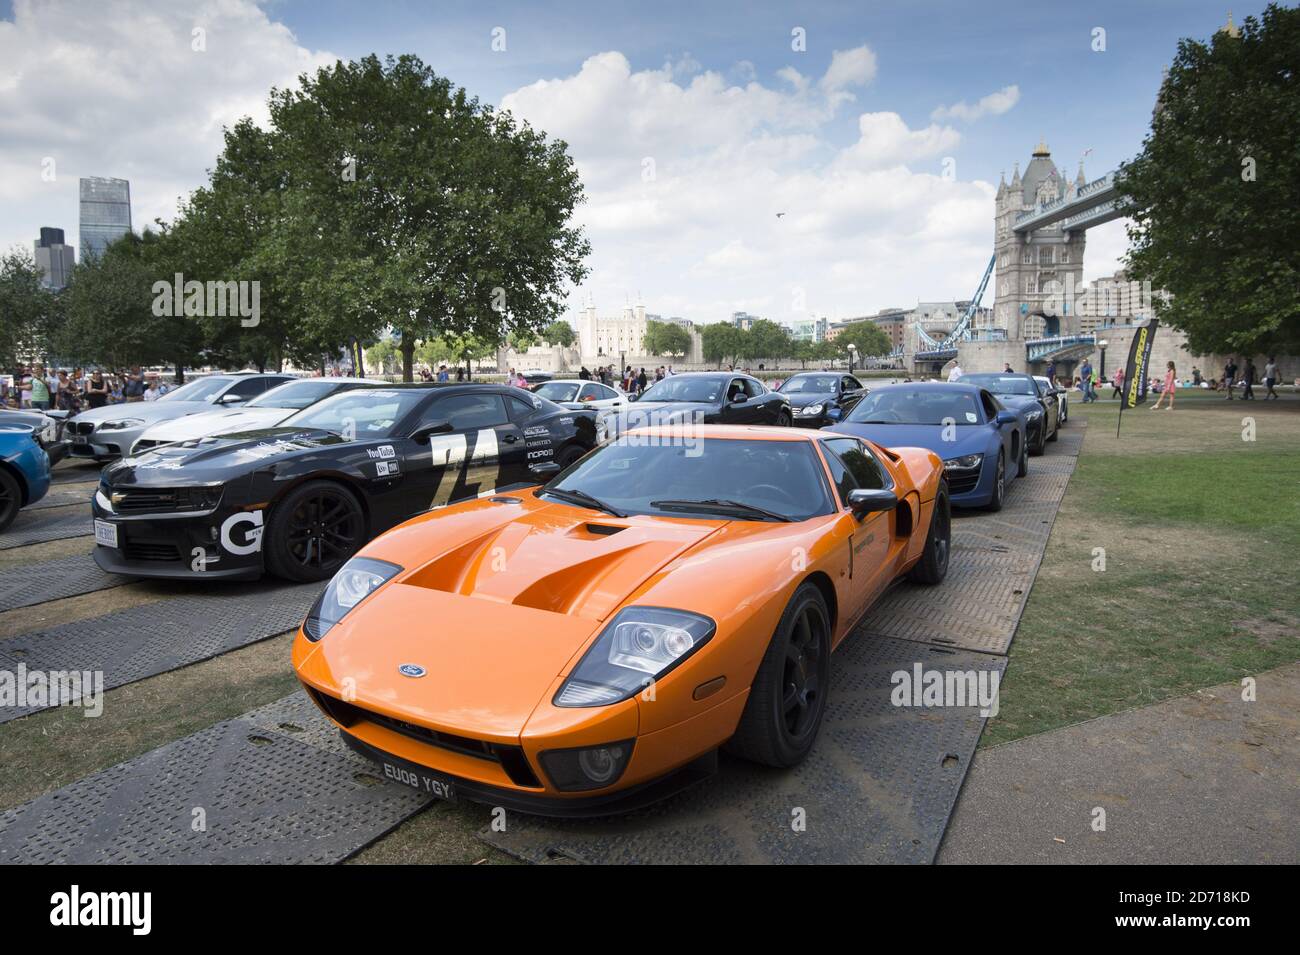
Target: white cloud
(865, 225)
(115, 89)
(995, 104)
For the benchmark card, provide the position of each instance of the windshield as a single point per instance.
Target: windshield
(365, 413)
(204, 389)
(681, 388)
(917, 406)
(558, 390)
(809, 384)
(1002, 384)
(628, 474)
(295, 394)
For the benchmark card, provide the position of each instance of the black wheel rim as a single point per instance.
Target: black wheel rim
(8, 502)
(324, 530)
(803, 685)
(942, 534)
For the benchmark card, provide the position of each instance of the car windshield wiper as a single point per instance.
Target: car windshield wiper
(582, 499)
(875, 421)
(719, 504)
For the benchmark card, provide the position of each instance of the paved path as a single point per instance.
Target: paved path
(1204, 778)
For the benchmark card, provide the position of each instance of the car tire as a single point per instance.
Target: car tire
(568, 455)
(312, 518)
(1041, 444)
(784, 419)
(788, 696)
(1056, 432)
(999, 485)
(1024, 460)
(933, 565)
(11, 499)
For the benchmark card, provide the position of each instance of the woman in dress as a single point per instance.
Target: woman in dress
(1171, 379)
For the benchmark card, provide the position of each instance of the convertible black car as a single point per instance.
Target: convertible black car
(705, 397)
(299, 499)
(1021, 393)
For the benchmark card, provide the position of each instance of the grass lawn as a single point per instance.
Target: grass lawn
(1201, 532)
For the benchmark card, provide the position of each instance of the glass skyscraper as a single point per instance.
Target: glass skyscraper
(105, 214)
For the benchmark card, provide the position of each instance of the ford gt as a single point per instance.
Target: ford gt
(297, 500)
(586, 646)
(978, 439)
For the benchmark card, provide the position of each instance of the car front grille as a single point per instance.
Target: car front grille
(135, 501)
(154, 500)
(150, 550)
(961, 482)
(80, 427)
(511, 758)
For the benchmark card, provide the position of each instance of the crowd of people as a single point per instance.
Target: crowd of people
(72, 389)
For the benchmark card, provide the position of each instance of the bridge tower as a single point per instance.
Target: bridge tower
(1035, 271)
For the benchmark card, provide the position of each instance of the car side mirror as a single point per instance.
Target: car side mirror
(229, 400)
(1005, 417)
(632, 397)
(739, 400)
(424, 431)
(866, 501)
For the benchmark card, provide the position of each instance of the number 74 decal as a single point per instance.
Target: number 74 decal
(452, 455)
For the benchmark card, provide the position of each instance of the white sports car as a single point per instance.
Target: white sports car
(265, 411)
(575, 391)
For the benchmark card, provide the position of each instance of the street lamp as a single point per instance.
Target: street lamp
(1102, 345)
(853, 350)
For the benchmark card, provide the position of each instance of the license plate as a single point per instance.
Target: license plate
(105, 533)
(434, 786)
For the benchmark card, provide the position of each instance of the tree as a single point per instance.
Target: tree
(28, 310)
(666, 338)
(722, 342)
(1215, 193)
(867, 337)
(766, 339)
(115, 317)
(559, 333)
(427, 208)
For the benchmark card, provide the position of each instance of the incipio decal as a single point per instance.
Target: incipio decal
(248, 525)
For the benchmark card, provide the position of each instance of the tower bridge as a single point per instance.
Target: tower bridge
(1040, 223)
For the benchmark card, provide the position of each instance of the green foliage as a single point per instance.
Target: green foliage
(766, 339)
(1222, 244)
(867, 337)
(722, 342)
(29, 312)
(666, 338)
(559, 332)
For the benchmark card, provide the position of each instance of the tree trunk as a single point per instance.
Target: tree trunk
(408, 358)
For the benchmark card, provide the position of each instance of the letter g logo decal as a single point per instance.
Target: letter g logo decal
(252, 536)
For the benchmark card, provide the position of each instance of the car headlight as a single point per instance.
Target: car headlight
(964, 463)
(640, 645)
(119, 425)
(809, 411)
(355, 581)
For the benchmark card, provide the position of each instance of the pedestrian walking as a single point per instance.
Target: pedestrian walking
(1230, 376)
(1248, 381)
(1171, 382)
(1118, 384)
(1270, 378)
(1085, 381)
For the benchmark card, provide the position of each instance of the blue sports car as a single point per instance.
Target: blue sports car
(980, 441)
(24, 471)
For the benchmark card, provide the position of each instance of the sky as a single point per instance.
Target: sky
(877, 129)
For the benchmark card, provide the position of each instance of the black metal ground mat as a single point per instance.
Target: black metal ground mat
(47, 580)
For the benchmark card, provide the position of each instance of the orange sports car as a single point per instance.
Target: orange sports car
(586, 646)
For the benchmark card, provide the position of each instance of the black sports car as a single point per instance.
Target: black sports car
(299, 499)
(819, 398)
(1021, 393)
(705, 397)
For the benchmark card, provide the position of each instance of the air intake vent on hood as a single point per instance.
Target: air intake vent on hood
(604, 529)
